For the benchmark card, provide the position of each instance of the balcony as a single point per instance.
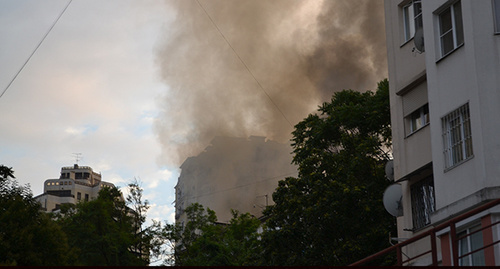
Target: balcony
(450, 253)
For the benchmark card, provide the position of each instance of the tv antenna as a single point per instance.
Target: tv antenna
(78, 157)
(393, 197)
(418, 40)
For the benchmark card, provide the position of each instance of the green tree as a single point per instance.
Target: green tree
(102, 231)
(332, 214)
(112, 231)
(204, 242)
(28, 237)
(147, 240)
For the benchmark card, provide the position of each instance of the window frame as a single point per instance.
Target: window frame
(422, 114)
(423, 195)
(496, 16)
(465, 236)
(411, 21)
(456, 26)
(457, 137)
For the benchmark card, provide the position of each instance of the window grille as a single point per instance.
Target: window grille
(422, 202)
(457, 137)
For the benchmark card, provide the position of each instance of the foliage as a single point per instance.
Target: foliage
(332, 214)
(27, 236)
(204, 242)
(146, 239)
(105, 231)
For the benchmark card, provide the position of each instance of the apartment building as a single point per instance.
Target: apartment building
(444, 75)
(75, 183)
(233, 173)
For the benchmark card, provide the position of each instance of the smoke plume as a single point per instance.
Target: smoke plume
(258, 67)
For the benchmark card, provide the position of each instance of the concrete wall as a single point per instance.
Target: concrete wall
(470, 74)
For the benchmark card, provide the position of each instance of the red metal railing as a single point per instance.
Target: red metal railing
(431, 234)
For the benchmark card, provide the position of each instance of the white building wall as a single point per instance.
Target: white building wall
(470, 74)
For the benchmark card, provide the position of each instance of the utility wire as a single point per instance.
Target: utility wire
(36, 48)
(243, 62)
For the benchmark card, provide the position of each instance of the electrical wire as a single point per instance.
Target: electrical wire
(36, 48)
(244, 64)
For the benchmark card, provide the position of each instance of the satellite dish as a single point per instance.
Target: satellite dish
(418, 39)
(389, 170)
(392, 200)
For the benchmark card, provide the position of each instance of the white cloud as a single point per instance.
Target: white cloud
(91, 88)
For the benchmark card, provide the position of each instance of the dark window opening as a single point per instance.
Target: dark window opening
(422, 202)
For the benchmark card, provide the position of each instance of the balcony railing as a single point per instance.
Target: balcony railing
(431, 234)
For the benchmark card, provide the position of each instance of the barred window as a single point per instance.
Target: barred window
(422, 202)
(457, 138)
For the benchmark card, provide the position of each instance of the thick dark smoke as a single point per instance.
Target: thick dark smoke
(300, 52)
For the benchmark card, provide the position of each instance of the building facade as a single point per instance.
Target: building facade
(233, 173)
(444, 79)
(76, 183)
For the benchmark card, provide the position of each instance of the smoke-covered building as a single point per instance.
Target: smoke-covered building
(76, 183)
(233, 173)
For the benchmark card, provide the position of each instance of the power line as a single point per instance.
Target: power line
(36, 48)
(243, 62)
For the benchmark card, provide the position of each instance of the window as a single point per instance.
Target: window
(412, 18)
(457, 138)
(418, 119)
(86, 197)
(496, 14)
(79, 196)
(422, 202)
(472, 241)
(451, 32)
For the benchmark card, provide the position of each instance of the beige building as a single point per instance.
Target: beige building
(444, 77)
(76, 183)
(233, 173)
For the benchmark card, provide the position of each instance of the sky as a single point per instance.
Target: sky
(90, 88)
(137, 86)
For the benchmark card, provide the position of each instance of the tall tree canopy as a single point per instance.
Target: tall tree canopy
(110, 231)
(332, 213)
(204, 242)
(27, 236)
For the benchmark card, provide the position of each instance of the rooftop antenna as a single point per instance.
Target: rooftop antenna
(78, 157)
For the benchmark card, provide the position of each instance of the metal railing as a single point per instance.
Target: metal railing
(431, 234)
